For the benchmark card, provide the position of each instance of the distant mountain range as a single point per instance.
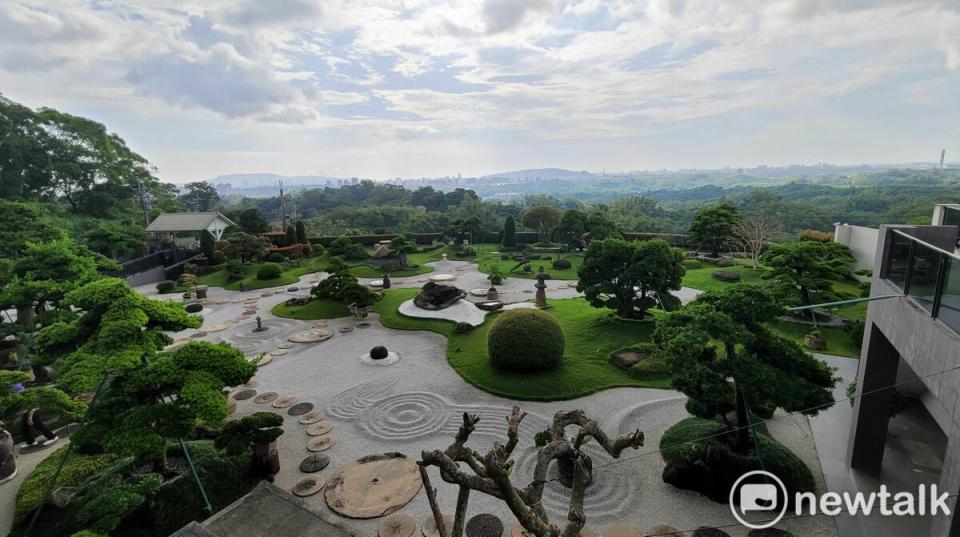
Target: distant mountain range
(255, 180)
(541, 173)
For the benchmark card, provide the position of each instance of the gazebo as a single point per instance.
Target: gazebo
(172, 223)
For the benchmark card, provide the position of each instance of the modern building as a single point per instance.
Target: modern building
(912, 345)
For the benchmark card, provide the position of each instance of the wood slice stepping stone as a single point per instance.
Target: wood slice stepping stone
(320, 323)
(312, 335)
(320, 428)
(621, 530)
(252, 383)
(345, 329)
(278, 352)
(323, 443)
(308, 486)
(243, 395)
(484, 525)
(397, 525)
(249, 313)
(264, 360)
(300, 409)
(267, 293)
(314, 463)
(284, 401)
(662, 530)
(311, 417)
(363, 325)
(429, 526)
(375, 486)
(265, 397)
(286, 346)
(196, 335)
(218, 327)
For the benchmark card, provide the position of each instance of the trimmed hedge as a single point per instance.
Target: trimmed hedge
(369, 240)
(525, 340)
(700, 458)
(269, 271)
(166, 286)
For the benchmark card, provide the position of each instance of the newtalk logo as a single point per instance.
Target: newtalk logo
(762, 497)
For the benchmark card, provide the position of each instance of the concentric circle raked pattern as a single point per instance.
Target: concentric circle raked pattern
(351, 403)
(405, 416)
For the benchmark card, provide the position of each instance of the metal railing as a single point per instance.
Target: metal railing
(928, 275)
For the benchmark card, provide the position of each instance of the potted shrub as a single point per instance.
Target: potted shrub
(496, 275)
(814, 340)
(259, 432)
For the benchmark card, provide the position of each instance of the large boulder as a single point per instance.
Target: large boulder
(435, 296)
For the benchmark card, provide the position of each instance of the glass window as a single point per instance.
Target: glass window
(951, 216)
(950, 303)
(923, 276)
(897, 260)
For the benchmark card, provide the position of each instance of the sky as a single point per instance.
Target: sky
(413, 88)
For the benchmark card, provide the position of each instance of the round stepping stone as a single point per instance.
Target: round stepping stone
(397, 525)
(478, 292)
(300, 409)
(268, 293)
(310, 336)
(249, 313)
(484, 525)
(264, 360)
(376, 283)
(286, 346)
(311, 417)
(314, 463)
(321, 322)
(284, 401)
(219, 327)
(562, 286)
(252, 383)
(429, 526)
(345, 329)
(320, 428)
(621, 530)
(321, 443)
(663, 530)
(442, 278)
(196, 335)
(373, 487)
(243, 395)
(308, 486)
(278, 352)
(266, 397)
(293, 289)
(363, 325)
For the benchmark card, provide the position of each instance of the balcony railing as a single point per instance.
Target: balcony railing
(928, 275)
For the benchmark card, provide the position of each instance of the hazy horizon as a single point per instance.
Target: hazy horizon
(422, 88)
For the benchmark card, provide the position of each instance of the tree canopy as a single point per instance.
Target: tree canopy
(542, 218)
(630, 277)
(807, 270)
(715, 226)
(724, 358)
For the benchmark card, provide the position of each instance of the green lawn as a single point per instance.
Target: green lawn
(591, 335)
(838, 339)
(219, 278)
(486, 261)
(702, 278)
(318, 308)
(366, 271)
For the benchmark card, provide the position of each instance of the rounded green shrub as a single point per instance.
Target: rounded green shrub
(525, 340)
(166, 286)
(269, 271)
(218, 258)
(276, 257)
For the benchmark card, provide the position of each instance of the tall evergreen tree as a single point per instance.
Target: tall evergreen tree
(510, 232)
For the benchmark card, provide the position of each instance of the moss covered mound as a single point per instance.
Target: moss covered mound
(699, 457)
(525, 340)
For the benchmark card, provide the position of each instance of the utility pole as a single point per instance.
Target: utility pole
(943, 153)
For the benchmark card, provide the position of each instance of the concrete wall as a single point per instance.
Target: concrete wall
(862, 241)
(898, 330)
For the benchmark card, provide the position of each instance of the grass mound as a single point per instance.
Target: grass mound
(318, 308)
(699, 457)
(525, 340)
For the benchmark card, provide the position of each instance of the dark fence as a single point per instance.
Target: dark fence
(368, 240)
(145, 263)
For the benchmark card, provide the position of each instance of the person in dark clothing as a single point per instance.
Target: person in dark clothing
(31, 422)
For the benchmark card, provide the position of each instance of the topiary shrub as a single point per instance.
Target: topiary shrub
(525, 340)
(276, 257)
(187, 279)
(726, 276)
(269, 271)
(699, 457)
(218, 258)
(166, 286)
(562, 264)
(691, 264)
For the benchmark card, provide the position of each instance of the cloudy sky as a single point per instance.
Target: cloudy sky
(385, 88)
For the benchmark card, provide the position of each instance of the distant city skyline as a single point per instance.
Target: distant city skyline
(429, 88)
